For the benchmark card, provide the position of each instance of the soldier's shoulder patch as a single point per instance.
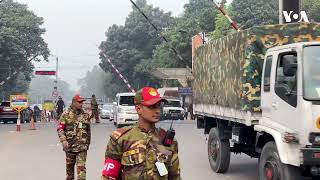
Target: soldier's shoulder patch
(119, 132)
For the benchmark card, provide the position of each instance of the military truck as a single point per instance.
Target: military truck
(172, 108)
(257, 92)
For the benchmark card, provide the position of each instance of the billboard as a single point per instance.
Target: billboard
(19, 102)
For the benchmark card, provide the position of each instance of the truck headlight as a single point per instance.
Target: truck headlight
(314, 138)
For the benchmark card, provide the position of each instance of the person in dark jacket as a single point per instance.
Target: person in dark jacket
(60, 106)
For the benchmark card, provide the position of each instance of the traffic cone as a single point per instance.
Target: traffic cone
(32, 124)
(18, 128)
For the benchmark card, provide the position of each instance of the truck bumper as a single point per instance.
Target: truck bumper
(172, 117)
(311, 162)
(127, 118)
(311, 156)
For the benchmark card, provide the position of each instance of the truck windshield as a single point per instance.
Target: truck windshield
(311, 73)
(126, 100)
(172, 104)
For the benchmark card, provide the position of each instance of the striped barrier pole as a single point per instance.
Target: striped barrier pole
(233, 23)
(103, 54)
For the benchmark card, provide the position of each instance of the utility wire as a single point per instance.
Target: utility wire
(158, 31)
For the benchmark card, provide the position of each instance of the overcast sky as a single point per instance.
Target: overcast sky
(76, 27)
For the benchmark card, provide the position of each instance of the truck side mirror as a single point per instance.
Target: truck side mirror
(289, 65)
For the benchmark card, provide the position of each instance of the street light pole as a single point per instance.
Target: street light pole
(55, 89)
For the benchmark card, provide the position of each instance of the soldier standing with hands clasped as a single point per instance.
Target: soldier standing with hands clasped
(94, 108)
(75, 135)
(142, 151)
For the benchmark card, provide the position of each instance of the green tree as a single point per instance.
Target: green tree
(97, 82)
(20, 43)
(222, 25)
(131, 46)
(312, 8)
(248, 13)
(199, 16)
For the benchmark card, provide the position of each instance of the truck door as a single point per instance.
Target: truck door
(266, 95)
(284, 93)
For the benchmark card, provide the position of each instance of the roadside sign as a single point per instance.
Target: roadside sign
(48, 73)
(19, 102)
(55, 93)
(186, 91)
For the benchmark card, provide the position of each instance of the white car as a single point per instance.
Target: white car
(124, 110)
(106, 111)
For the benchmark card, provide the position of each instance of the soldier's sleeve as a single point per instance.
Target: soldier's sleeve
(113, 151)
(61, 128)
(89, 132)
(174, 168)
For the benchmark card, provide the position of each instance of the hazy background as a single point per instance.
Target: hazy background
(76, 27)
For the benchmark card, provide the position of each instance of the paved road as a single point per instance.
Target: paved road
(37, 155)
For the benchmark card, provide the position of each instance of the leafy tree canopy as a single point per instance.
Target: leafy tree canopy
(20, 43)
(312, 8)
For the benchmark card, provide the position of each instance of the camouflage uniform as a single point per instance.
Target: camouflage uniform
(74, 127)
(138, 151)
(94, 109)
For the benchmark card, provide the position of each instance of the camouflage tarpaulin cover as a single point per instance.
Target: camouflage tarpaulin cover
(227, 71)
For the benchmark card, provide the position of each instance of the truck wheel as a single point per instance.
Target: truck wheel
(271, 168)
(218, 152)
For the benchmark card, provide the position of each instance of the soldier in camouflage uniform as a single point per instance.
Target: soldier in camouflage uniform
(94, 108)
(75, 135)
(137, 153)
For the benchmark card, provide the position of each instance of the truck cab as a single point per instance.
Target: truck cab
(124, 110)
(172, 110)
(290, 102)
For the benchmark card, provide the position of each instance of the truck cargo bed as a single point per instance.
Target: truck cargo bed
(244, 117)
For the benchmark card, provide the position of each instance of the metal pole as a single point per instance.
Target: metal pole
(124, 79)
(232, 23)
(280, 11)
(57, 65)
(18, 122)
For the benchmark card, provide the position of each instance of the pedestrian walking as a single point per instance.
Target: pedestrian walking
(94, 108)
(75, 134)
(143, 151)
(36, 113)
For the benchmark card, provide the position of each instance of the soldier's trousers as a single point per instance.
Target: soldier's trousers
(79, 159)
(96, 115)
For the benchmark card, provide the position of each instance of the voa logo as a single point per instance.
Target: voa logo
(288, 16)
